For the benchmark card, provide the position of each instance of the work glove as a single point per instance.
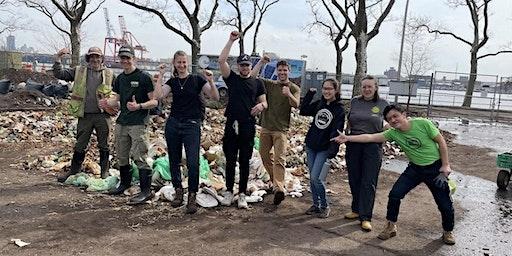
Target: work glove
(441, 181)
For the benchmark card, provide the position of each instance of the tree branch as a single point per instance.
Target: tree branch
(494, 54)
(435, 31)
(93, 11)
(379, 21)
(212, 15)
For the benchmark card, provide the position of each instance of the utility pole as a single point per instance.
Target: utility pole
(402, 47)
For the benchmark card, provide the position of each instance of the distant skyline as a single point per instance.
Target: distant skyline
(282, 32)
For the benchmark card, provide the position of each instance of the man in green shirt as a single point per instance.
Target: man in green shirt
(134, 94)
(428, 155)
(282, 95)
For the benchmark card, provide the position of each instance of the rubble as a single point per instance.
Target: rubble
(55, 126)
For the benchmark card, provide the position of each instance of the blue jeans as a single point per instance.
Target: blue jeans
(412, 177)
(318, 169)
(179, 133)
(363, 165)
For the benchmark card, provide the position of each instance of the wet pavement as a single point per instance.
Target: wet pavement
(485, 227)
(470, 132)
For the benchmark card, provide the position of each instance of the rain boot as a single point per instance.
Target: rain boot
(126, 180)
(178, 198)
(191, 203)
(145, 188)
(76, 165)
(104, 163)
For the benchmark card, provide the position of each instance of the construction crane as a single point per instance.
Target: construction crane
(113, 42)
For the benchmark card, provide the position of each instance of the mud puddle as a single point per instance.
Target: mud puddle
(486, 224)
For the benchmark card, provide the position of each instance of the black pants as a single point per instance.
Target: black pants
(363, 164)
(186, 133)
(238, 146)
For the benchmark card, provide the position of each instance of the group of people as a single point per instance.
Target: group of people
(97, 95)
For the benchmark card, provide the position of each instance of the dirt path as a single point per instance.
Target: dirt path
(61, 220)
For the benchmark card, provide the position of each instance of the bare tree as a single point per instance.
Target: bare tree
(479, 11)
(263, 7)
(243, 19)
(74, 11)
(9, 19)
(356, 14)
(335, 28)
(163, 10)
(417, 59)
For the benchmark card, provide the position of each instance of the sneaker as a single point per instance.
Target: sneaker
(351, 215)
(242, 203)
(313, 210)
(366, 225)
(448, 238)
(228, 198)
(388, 232)
(278, 197)
(324, 212)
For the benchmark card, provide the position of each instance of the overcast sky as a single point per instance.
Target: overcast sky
(282, 32)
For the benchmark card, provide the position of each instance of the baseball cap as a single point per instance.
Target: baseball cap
(126, 51)
(244, 59)
(94, 51)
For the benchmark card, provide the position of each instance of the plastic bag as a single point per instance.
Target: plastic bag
(452, 185)
(256, 143)
(94, 184)
(79, 180)
(204, 168)
(161, 165)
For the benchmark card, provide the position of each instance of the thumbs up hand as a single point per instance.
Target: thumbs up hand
(133, 105)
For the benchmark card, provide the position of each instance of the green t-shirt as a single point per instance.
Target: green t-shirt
(277, 116)
(137, 83)
(417, 143)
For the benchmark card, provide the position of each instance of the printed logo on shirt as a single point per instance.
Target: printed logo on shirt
(414, 142)
(323, 118)
(375, 110)
(134, 83)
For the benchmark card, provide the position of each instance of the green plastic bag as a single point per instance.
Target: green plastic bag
(256, 143)
(78, 180)
(204, 168)
(135, 172)
(161, 165)
(452, 185)
(94, 184)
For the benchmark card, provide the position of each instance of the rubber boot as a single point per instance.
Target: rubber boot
(126, 180)
(178, 198)
(191, 203)
(104, 163)
(76, 166)
(145, 188)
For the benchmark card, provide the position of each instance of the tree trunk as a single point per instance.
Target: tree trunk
(75, 44)
(468, 97)
(196, 46)
(241, 43)
(256, 30)
(409, 96)
(361, 60)
(339, 62)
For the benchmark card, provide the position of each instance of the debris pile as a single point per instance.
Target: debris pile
(58, 127)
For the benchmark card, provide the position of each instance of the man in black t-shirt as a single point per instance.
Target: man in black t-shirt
(134, 89)
(246, 100)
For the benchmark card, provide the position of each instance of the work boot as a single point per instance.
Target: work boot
(191, 203)
(104, 163)
(388, 232)
(76, 165)
(351, 215)
(145, 188)
(366, 225)
(448, 238)
(312, 210)
(126, 180)
(178, 198)
(278, 197)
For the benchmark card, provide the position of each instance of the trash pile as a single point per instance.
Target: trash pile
(58, 127)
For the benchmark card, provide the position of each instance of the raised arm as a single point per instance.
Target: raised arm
(161, 90)
(443, 151)
(255, 72)
(307, 108)
(293, 99)
(66, 74)
(209, 88)
(225, 70)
